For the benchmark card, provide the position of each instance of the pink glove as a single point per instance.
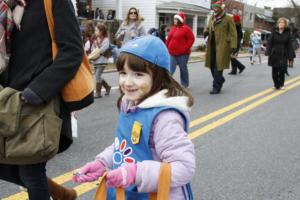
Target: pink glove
(123, 176)
(89, 172)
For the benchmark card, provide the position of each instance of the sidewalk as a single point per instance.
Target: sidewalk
(199, 56)
(196, 56)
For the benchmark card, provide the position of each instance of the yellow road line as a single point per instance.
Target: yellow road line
(60, 180)
(235, 105)
(232, 116)
(18, 196)
(86, 187)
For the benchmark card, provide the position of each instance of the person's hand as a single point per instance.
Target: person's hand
(290, 63)
(89, 172)
(133, 34)
(123, 176)
(234, 50)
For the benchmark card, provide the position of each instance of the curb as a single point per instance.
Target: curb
(192, 61)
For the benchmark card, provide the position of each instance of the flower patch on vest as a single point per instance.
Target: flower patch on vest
(122, 153)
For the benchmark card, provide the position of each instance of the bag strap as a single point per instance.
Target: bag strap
(164, 183)
(101, 190)
(50, 20)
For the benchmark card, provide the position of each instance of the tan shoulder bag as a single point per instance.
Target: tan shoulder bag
(78, 91)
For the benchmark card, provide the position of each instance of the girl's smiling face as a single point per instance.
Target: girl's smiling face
(134, 84)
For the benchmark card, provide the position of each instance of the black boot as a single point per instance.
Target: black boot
(215, 91)
(241, 69)
(232, 73)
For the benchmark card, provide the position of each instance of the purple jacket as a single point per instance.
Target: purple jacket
(168, 142)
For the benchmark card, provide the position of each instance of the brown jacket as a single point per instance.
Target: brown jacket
(226, 39)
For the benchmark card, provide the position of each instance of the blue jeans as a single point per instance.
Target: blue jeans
(99, 68)
(181, 61)
(115, 53)
(32, 177)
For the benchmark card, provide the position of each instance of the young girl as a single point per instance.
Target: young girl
(88, 36)
(152, 127)
(101, 41)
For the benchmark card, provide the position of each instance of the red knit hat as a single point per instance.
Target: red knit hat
(218, 4)
(236, 19)
(180, 16)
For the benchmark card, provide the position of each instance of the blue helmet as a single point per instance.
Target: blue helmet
(151, 49)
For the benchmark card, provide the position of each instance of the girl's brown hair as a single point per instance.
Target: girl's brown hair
(161, 78)
(138, 17)
(102, 29)
(285, 20)
(89, 29)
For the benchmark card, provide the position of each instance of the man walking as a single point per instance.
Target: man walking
(235, 64)
(221, 43)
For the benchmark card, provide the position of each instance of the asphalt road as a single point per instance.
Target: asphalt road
(246, 150)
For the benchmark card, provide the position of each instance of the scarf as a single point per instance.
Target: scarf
(11, 13)
(216, 19)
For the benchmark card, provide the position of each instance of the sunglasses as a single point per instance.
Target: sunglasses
(133, 13)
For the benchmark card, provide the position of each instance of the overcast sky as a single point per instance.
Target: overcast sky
(271, 3)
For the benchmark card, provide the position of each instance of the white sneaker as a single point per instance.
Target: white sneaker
(282, 88)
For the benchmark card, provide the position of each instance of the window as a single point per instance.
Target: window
(250, 16)
(162, 19)
(200, 25)
(165, 19)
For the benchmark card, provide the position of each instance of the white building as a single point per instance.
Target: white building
(157, 12)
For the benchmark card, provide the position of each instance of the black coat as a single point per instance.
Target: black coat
(239, 35)
(279, 48)
(31, 62)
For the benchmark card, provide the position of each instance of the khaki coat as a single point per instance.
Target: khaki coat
(226, 39)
